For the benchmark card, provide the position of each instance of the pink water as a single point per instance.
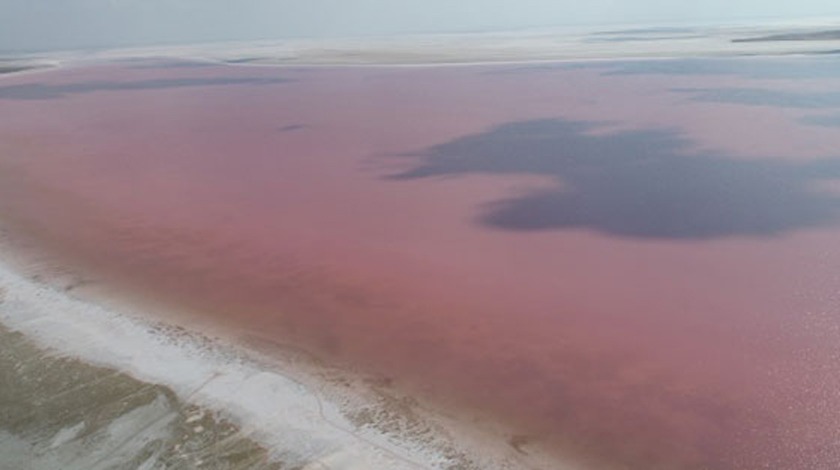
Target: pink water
(642, 269)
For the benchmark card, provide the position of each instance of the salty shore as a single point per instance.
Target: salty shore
(91, 386)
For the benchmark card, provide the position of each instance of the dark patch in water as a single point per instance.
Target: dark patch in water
(292, 128)
(755, 68)
(40, 91)
(828, 35)
(176, 64)
(828, 120)
(643, 184)
(764, 97)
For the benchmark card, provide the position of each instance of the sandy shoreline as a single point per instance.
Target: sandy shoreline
(299, 410)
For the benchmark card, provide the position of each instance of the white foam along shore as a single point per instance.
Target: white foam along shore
(287, 407)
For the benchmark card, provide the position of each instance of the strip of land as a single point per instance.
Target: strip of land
(88, 387)
(832, 35)
(497, 47)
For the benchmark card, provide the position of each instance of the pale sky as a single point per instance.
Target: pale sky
(67, 24)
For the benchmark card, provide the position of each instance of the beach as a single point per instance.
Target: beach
(89, 387)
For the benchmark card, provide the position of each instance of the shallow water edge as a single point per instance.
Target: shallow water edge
(92, 388)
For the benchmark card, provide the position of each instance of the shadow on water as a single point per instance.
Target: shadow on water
(162, 63)
(642, 184)
(292, 128)
(817, 66)
(804, 100)
(40, 91)
(765, 97)
(755, 68)
(826, 120)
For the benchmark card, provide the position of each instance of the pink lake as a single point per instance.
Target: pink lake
(636, 263)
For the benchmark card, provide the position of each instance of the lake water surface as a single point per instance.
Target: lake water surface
(637, 263)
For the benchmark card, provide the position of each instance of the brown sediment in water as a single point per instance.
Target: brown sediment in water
(471, 232)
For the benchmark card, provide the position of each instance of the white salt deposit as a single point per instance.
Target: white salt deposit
(284, 414)
(291, 419)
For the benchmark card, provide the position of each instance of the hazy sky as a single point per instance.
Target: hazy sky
(59, 24)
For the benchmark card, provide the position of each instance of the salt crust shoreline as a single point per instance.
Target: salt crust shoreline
(290, 412)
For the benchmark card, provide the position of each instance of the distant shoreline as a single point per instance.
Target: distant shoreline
(23, 67)
(522, 47)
